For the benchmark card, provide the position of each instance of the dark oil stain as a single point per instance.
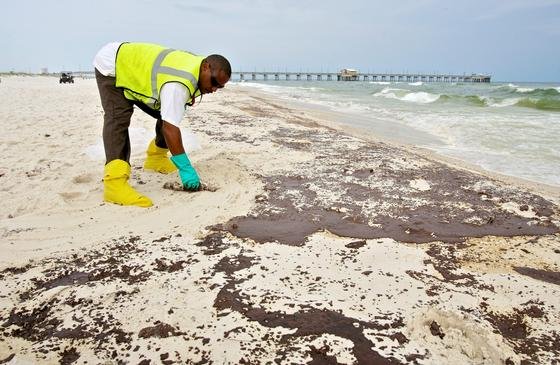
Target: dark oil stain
(69, 356)
(278, 219)
(164, 265)
(159, 330)
(8, 359)
(213, 243)
(292, 211)
(552, 277)
(15, 270)
(320, 356)
(356, 244)
(514, 328)
(307, 322)
(435, 330)
(33, 325)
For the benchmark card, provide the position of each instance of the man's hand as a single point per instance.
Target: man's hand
(188, 174)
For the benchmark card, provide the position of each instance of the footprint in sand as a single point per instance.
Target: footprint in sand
(71, 195)
(454, 339)
(82, 179)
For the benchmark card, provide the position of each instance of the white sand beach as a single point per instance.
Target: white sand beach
(313, 244)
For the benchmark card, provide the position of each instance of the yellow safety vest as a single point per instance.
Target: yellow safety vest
(142, 69)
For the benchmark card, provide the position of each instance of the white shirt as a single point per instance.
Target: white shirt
(173, 95)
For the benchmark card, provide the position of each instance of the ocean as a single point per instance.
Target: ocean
(510, 128)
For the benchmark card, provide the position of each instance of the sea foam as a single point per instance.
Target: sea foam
(503, 103)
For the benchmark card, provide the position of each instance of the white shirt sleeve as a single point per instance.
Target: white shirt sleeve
(105, 59)
(173, 97)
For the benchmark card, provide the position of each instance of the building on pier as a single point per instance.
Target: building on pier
(480, 78)
(348, 74)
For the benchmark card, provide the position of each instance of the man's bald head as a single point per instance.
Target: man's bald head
(219, 62)
(215, 72)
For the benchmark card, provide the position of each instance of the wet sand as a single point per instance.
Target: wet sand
(311, 244)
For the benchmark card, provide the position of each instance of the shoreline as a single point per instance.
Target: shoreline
(332, 119)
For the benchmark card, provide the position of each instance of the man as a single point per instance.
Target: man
(161, 82)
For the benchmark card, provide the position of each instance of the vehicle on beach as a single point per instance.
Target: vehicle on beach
(66, 77)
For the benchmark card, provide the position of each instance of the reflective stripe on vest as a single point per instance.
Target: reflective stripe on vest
(143, 78)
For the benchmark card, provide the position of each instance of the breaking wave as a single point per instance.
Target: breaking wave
(420, 97)
(545, 91)
(542, 99)
(541, 104)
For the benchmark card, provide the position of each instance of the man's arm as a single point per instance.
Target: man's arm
(187, 173)
(173, 96)
(173, 99)
(172, 135)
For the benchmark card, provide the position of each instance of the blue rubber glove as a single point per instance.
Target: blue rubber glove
(188, 174)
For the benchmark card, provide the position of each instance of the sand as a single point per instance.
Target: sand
(311, 244)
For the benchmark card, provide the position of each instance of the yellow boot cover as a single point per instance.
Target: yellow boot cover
(157, 159)
(116, 185)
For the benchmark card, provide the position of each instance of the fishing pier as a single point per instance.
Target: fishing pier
(354, 75)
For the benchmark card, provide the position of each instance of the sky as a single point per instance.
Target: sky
(513, 40)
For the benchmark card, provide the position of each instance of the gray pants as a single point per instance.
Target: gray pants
(116, 120)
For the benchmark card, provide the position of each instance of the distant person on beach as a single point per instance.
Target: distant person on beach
(162, 82)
